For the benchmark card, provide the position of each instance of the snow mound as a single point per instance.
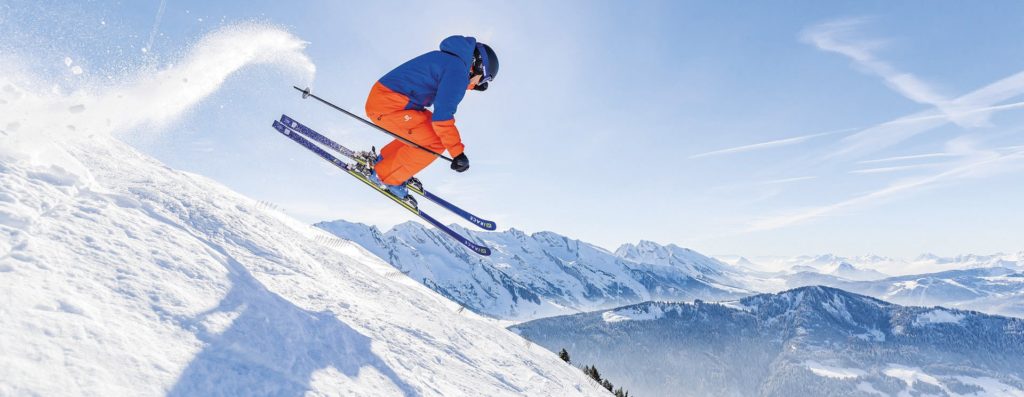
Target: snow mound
(634, 313)
(938, 316)
(833, 372)
(911, 375)
(121, 276)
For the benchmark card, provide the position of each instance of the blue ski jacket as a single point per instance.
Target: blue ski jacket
(437, 78)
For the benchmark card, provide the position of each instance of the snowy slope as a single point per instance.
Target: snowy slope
(121, 276)
(543, 274)
(811, 341)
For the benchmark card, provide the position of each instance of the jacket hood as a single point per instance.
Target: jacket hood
(460, 46)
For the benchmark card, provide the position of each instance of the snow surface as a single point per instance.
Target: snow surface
(736, 305)
(912, 375)
(645, 312)
(991, 387)
(939, 316)
(833, 372)
(121, 276)
(869, 389)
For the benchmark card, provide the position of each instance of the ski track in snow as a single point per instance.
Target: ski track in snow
(121, 276)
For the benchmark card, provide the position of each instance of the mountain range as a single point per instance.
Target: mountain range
(537, 275)
(809, 341)
(830, 263)
(994, 290)
(544, 274)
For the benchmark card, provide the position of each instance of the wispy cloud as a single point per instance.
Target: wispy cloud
(786, 180)
(961, 112)
(771, 144)
(989, 163)
(883, 170)
(841, 37)
(908, 157)
(877, 136)
(895, 131)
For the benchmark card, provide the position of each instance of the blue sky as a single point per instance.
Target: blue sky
(750, 128)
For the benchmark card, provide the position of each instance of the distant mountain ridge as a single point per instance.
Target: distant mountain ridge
(544, 273)
(991, 290)
(805, 341)
(925, 263)
(531, 276)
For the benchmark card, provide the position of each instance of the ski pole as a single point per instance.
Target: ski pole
(307, 94)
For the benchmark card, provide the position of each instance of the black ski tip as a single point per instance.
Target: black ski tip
(280, 127)
(288, 121)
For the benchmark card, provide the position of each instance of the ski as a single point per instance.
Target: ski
(350, 169)
(415, 187)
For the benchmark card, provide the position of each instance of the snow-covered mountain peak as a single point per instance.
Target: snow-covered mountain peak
(810, 295)
(682, 259)
(746, 263)
(845, 266)
(848, 271)
(819, 260)
(409, 228)
(818, 307)
(648, 248)
(517, 233)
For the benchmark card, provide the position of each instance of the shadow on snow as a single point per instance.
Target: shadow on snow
(273, 347)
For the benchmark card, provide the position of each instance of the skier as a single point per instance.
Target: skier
(398, 101)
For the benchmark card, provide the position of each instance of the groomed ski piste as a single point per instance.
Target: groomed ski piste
(121, 276)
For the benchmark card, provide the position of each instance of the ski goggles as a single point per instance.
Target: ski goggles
(483, 64)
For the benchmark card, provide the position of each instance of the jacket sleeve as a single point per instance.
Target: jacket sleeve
(450, 92)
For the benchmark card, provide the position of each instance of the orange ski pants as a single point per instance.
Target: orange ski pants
(401, 161)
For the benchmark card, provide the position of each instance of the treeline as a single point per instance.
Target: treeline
(594, 374)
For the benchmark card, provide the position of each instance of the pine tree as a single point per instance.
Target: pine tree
(594, 374)
(564, 355)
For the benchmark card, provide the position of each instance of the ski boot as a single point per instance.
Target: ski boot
(414, 184)
(366, 160)
(399, 191)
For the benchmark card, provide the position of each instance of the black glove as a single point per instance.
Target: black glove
(460, 163)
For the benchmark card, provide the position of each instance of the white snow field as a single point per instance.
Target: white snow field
(122, 277)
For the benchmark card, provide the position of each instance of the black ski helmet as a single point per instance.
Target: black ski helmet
(485, 62)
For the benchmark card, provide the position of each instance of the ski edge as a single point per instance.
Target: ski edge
(296, 126)
(284, 130)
